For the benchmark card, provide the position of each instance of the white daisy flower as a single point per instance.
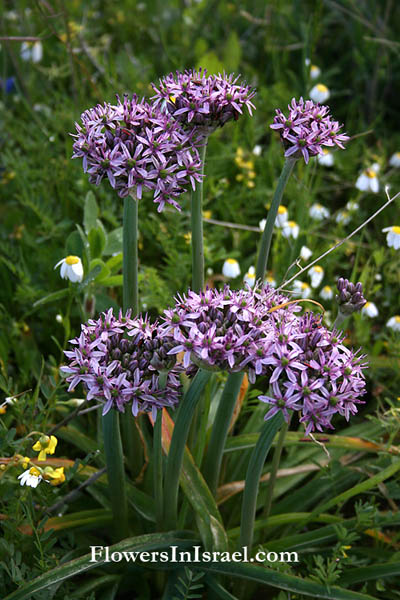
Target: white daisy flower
(290, 229)
(31, 477)
(394, 323)
(370, 310)
(315, 72)
(250, 277)
(305, 253)
(393, 236)
(270, 281)
(326, 293)
(231, 268)
(71, 268)
(318, 212)
(395, 160)
(281, 217)
(301, 289)
(32, 51)
(343, 217)
(316, 274)
(319, 93)
(326, 159)
(368, 180)
(257, 150)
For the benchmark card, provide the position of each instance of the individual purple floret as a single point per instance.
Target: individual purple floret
(123, 362)
(350, 298)
(330, 380)
(307, 128)
(202, 101)
(136, 146)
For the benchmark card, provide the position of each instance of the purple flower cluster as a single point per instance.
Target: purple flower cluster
(122, 361)
(202, 101)
(350, 297)
(319, 376)
(258, 331)
(307, 128)
(137, 146)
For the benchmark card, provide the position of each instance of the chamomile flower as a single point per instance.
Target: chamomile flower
(282, 216)
(316, 274)
(326, 293)
(352, 206)
(231, 268)
(270, 281)
(32, 477)
(305, 253)
(257, 150)
(250, 277)
(301, 289)
(394, 323)
(32, 51)
(326, 158)
(319, 93)
(315, 72)
(369, 309)
(393, 236)
(318, 212)
(71, 268)
(343, 217)
(395, 160)
(368, 180)
(45, 445)
(290, 229)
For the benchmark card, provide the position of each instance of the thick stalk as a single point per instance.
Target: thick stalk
(158, 470)
(213, 460)
(115, 473)
(254, 471)
(177, 447)
(274, 469)
(130, 255)
(266, 237)
(197, 229)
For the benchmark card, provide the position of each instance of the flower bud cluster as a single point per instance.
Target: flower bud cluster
(350, 298)
(307, 128)
(122, 361)
(137, 146)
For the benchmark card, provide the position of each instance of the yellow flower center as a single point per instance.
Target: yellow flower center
(322, 88)
(304, 286)
(396, 229)
(292, 224)
(232, 261)
(34, 471)
(327, 288)
(370, 173)
(72, 260)
(398, 154)
(314, 68)
(397, 319)
(318, 269)
(325, 151)
(282, 210)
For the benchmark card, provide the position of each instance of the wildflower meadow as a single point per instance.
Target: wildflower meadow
(199, 300)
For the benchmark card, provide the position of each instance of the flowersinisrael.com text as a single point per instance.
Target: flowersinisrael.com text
(196, 555)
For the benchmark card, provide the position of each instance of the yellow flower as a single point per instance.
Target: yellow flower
(54, 476)
(207, 214)
(188, 237)
(24, 461)
(3, 409)
(45, 445)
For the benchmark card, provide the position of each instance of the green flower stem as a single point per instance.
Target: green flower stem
(339, 320)
(213, 459)
(254, 471)
(130, 255)
(177, 447)
(197, 229)
(265, 245)
(274, 469)
(115, 473)
(158, 470)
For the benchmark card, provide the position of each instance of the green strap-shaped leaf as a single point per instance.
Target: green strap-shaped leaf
(281, 581)
(149, 542)
(371, 572)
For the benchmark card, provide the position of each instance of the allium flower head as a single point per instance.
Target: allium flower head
(123, 361)
(202, 101)
(137, 146)
(307, 128)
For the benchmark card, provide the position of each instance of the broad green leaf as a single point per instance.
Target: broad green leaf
(90, 212)
(154, 541)
(91, 276)
(51, 297)
(97, 241)
(113, 281)
(74, 245)
(104, 272)
(114, 242)
(115, 262)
